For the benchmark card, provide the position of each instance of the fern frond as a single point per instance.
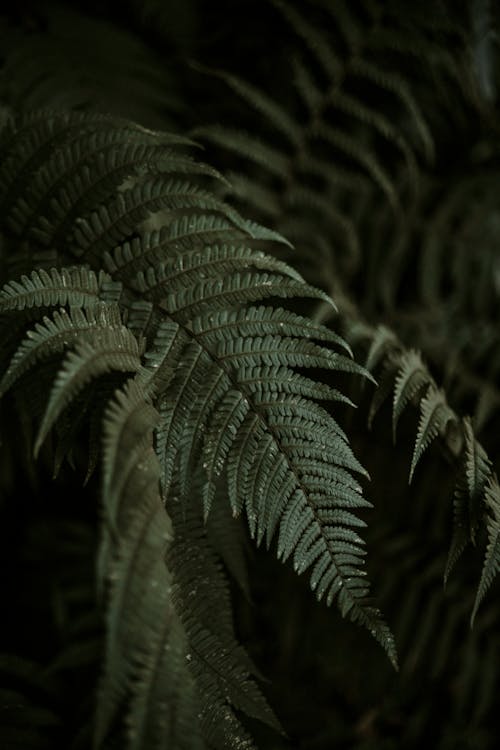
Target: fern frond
(381, 344)
(49, 145)
(261, 320)
(177, 273)
(300, 198)
(491, 563)
(226, 419)
(110, 224)
(463, 528)
(477, 469)
(219, 293)
(220, 665)
(190, 366)
(227, 536)
(203, 389)
(186, 233)
(254, 195)
(248, 147)
(207, 348)
(145, 685)
(411, 378)
(434, 417)
(90, 168)
(381, 125)
(110, 350)
(396, 85)
(279, 379)
(315, 41)
(76, 287)
(366, 159)
(54, 334)
(260, 102)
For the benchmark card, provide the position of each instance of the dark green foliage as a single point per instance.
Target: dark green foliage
(188, 342)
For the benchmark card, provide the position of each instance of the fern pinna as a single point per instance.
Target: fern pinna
(153, 318)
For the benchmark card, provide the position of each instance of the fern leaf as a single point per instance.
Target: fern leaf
(261, 103)
(182, 234)
(220, 293)
(112, 223)
(434, 416)
(254, 194)
(314, 40)
(411, 378)
(43, 130)
(54, 334)
(225, 420)
(296, 473)
(244, 446)
(282, 380)
(382, 342)
(477, 466)
(202, 392)
(227, 536)
(221, 667)
(161, 357)
(304, 512)
(469, 493)
(275, 351)
(77, 287)
(396, 85)
(381, 125)
(365, 157)
(299, 197)
(248, 147)
(261, 320)
(144, 684)
(162, 709)
(112, 350)
(462, 527)
(491, 563)
(82, 175)
(176, 408)
(306, 87)
(177, 273)
(259, 232)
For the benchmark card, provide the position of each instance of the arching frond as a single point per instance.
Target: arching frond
(218, 662)
(109, 350)
(435, 415)
(145, 685)
(492, 558)
(171, 325)
(54, 334)
(412, 377)
(77, 287)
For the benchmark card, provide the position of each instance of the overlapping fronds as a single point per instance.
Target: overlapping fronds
(219, 379)
(220, 665)
(145, 686)
(358, 136)
(168, 336)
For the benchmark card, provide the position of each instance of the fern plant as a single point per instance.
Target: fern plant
(148, 322)
(170, 342)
